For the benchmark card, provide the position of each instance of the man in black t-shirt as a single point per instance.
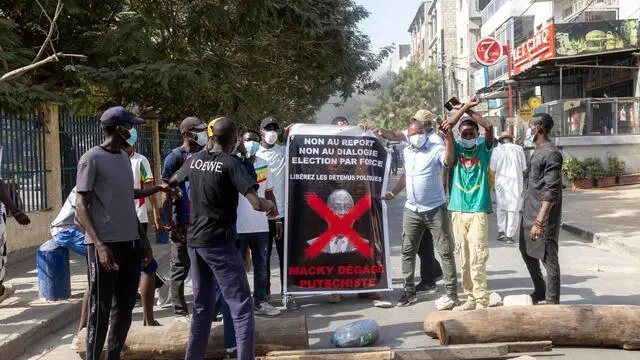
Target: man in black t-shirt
(216, 178)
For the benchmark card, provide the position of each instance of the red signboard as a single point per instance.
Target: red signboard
(488, 51)
(538, 48)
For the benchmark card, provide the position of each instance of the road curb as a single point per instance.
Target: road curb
(67, 312)
(578, 231)
(602, 240)
(62, 316)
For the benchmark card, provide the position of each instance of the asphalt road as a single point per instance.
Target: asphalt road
(589, 276)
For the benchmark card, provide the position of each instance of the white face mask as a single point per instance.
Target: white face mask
(202, 138)
(418, 140)
(530, 135)
(270, 137)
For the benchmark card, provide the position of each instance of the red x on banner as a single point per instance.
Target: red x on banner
(339, 225)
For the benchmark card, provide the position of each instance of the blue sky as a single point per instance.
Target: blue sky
(388, 21)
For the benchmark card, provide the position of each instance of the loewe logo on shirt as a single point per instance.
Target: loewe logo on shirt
(215, 166)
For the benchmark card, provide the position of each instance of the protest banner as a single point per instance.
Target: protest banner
(336, 223)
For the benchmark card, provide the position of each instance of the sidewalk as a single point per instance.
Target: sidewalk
(607, 217)
(25, 319)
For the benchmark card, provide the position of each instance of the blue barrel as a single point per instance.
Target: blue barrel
(162, 238)
(54, 274)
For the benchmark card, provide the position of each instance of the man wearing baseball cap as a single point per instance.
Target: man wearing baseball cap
(194, 137)
(116, 246)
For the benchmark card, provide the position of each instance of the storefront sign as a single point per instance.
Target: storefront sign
(336, 228)
(596, 37)
(526, 112)
(535, 102)
(488, 51)
(531, 52)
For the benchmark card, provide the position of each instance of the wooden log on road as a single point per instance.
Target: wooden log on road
(170, 341)
(579, 325)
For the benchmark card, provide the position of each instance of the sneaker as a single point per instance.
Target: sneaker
(425, 288)
(182, 318)
(264, 308)
(154, 323)
(407, 299)
(231, 353)
(335, 299)
(536, 298)
(509, 241)
(501, 236)
(446, 302)
(467, 306)
(75, 344)
(290, 303)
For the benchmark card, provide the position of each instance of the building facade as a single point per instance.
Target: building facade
(574, 59)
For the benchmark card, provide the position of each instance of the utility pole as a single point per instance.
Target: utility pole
(442, 70)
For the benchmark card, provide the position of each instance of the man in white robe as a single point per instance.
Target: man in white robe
(508, 163)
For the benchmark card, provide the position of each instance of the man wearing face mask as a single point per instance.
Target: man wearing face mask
(470, 201)
(542, 211)
(430, 268)
(253, 227)
(116, 244)
(425, 210)
(277, 163)
(194, 135)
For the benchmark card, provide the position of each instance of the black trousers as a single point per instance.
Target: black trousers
(112, 296)
(179, 269)
(280, 250)
(430, 269)
(550, 291)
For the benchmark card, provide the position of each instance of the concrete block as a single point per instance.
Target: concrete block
(518, 300)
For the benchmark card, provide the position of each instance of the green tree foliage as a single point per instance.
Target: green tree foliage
(401, 95)
(243, 58)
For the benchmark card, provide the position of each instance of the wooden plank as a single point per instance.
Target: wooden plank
(357, 354)
(530, 346)
(471, 351)
(329, 351)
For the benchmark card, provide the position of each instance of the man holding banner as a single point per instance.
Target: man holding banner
(425, 210)
(336, 239)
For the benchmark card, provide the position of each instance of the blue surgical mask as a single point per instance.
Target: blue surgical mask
(252, 147)
(202, 138)
(133, 136)
(468, 143)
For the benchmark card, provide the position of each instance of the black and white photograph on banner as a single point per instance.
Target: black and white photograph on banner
(336, 237)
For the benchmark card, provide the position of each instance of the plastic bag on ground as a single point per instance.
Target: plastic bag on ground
(356, 334)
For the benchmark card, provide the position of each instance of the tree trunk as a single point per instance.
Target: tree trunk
(585, 325)
(170, 342)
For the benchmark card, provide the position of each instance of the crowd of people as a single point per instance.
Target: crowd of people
(224, 196)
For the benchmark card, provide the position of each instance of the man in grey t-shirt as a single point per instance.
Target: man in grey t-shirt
(115, 245)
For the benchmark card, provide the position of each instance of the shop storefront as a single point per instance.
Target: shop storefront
(587, 76)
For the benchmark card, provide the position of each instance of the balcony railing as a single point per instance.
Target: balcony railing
(491, 9)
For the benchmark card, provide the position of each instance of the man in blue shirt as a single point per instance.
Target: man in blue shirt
(194, 135)
(424, 210)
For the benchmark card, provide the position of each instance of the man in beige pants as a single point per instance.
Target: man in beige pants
(470, 202)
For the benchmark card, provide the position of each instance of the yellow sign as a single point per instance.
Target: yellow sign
(526, 112)
(535, 102)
